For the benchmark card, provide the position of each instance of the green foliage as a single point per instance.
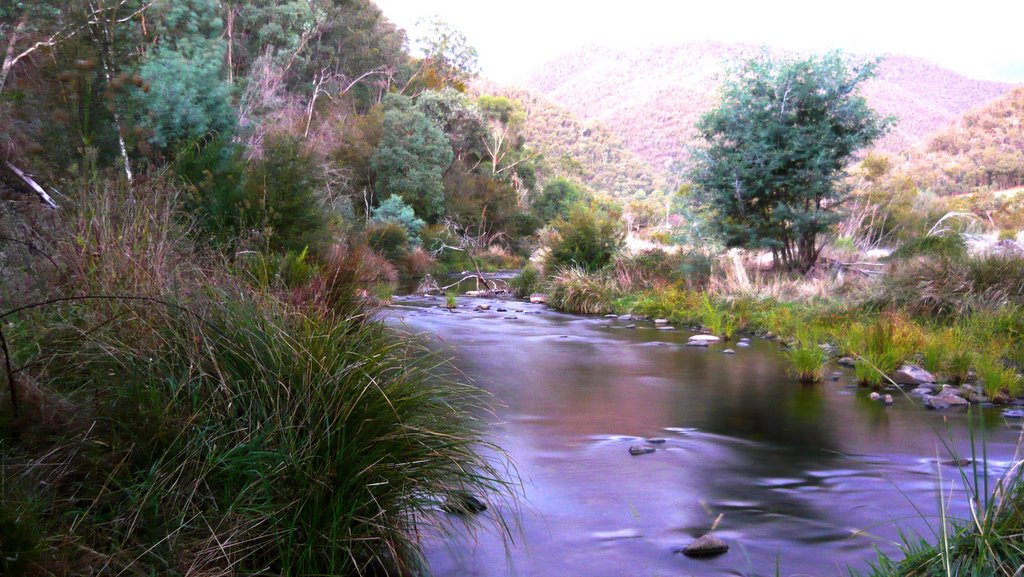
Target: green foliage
(185, 96)
(946, 286)
(558, 197)
(411, 158)
(449, 300)
(775, 150)
(722, 323)
(879, 347)
(951, 246)
(807, 360)
(575, 290)
(478, 201)
(388, 239)
(214, 171)
(526, 282)
(587, 239)
(275, 270)
(460, 119)
(280, 197)
(996, 377)
(395, 210)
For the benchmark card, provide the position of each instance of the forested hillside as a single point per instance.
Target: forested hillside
(983, 150)
(571, 148)
(652, 97)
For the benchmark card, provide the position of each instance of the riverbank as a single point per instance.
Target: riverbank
(168, 410)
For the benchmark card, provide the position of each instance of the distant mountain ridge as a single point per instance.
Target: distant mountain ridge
(651, 97)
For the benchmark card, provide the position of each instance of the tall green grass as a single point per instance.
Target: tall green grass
(575, 290)
(807, 360)
(222, 425)
(989, 543)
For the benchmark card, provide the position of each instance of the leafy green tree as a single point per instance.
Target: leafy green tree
(411, 158)
(775, 148)
(395, 210)
(186, 95)
(556, 199)
(459, 118)
(588, 238)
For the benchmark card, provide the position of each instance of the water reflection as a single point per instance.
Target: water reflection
(806, 478)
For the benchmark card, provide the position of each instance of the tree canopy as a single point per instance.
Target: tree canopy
(774, 150)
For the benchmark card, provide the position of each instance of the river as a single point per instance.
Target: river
(806, 479)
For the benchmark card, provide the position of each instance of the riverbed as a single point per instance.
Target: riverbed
(802, 480)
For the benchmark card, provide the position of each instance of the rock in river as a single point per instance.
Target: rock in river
(539, 299)
(704, 339)
(912, 375)
(640, 450)
(847, 362)
(706, 546)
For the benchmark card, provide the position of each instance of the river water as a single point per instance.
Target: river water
(806, 479)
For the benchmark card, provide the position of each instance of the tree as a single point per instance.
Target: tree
(774, 151)
(448, 58)
(556, 199)
(411, 158)
(186, 96)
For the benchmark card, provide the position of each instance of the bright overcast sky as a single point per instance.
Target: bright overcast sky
(979, 38)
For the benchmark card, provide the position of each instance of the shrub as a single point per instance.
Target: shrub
(719, 322)
(418, 262)
(213, 171)
(587, 240)
(393, 209)
(280, 200)
(389, 239)
(526, 282)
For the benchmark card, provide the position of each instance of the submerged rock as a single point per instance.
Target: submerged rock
(888, 400)
(705, 546)
(657, 441)
(697, 343)
(640, 450)
(847, 362)
(743, 344)
(945, 400)
(912, 375)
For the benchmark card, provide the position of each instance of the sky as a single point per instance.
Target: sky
(982, 38)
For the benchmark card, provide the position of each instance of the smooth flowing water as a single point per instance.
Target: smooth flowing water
(806, 480)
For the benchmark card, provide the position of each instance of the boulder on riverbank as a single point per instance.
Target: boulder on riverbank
(539, 299)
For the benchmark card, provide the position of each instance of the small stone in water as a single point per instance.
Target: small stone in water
(728, 352)
(874, 396)
(887, 399)
(463, 503)
(639, 450)
(511, 318)
(706, 546)
(501, 310)
(743, 344)
(656, 441)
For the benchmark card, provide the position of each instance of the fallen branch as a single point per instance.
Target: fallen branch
(33, 185)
